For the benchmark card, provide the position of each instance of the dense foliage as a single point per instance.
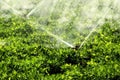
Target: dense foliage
(24, 56)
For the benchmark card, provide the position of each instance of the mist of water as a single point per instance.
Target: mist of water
(17, 7)
(68, 21)
(98, 24)
(84, 15)
(105, 13)
(14, 11)
(58, 38)
(44, 8)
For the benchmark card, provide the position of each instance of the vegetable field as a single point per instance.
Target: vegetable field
(59, 40)
(23, 54)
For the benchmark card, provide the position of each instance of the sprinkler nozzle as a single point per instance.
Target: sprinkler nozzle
(76, 47)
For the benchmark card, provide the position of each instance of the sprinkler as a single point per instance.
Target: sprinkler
(76, 47)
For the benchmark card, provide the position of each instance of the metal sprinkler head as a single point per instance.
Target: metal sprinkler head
(76, 47)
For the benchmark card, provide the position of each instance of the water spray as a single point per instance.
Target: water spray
(51, 6)
(35, 8)
(67, 7)
(58, 38)
(14, 10)
(86, 38)
(51, 34)
(45, 7)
